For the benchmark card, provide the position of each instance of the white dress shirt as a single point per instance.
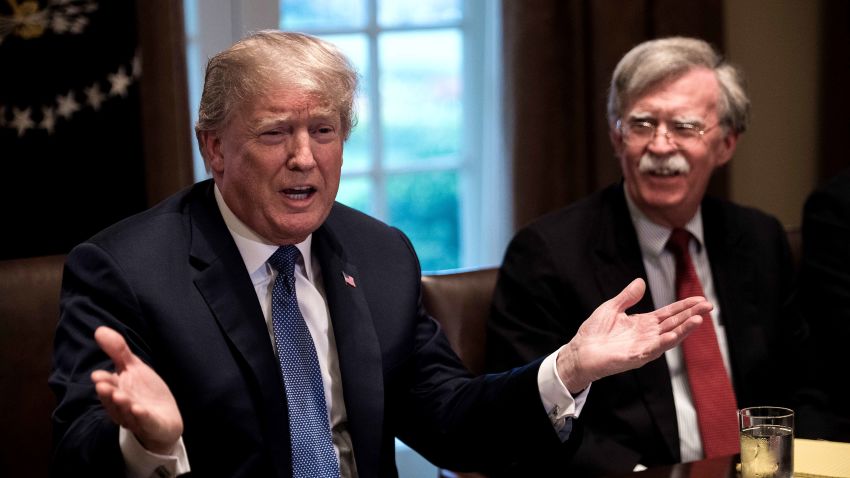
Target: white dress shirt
(660, 265)
(557, 401)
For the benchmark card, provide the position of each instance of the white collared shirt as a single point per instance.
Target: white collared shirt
(660, 265)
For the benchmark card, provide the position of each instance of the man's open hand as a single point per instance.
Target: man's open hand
(135, 397)
(610, 341)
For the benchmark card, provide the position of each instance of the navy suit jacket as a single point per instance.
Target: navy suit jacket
(172, 281)
(557, 270)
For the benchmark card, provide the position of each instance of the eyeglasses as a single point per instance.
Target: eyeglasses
(680, 134)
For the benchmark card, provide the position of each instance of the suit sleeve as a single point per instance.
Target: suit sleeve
(93, 294)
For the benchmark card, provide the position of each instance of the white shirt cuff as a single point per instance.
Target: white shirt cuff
(558, 402)
(141, 463)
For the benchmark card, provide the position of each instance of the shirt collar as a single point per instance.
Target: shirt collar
(653, 237)
(255, 249)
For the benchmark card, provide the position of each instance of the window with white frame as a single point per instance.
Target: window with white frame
(426, 155)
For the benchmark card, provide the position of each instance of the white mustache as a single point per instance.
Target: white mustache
(667, 166)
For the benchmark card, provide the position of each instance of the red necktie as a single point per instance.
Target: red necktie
(711, 388)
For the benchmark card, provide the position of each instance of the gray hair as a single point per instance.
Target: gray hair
(272, 58)
(655, 61)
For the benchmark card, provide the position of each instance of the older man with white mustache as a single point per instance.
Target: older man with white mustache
(676, 111)
(661, 166)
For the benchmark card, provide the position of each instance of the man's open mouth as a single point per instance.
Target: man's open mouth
(301, 192)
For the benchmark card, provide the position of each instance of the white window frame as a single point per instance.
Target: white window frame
(483, 191)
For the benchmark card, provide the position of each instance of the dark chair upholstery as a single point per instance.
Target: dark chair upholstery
(29, 311)
(460, 302)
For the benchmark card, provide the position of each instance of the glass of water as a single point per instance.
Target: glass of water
(767, 442)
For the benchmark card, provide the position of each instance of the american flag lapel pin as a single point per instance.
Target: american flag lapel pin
(348, 279)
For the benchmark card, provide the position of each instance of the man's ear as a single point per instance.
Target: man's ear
(727, 148)
(616, 138)
(210, 145)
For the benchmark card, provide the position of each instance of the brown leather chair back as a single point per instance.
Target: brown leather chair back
(29, 311)
(460, 302)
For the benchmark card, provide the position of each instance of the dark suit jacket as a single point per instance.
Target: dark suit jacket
(560, 268)
(824, 294)
(172, 281)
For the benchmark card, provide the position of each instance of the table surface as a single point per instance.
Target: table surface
(815, 457)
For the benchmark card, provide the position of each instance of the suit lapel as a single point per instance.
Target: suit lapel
(224, 283)
(618, 261)
(733, 275)
(357, 347)
(617, 257)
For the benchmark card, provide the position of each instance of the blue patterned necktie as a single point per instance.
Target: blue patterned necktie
(310, 434)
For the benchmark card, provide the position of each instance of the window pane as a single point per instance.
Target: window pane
(322, 14)
(425, 207)
(405, 12)
(420, 84)
(356, 192)
(358, 147)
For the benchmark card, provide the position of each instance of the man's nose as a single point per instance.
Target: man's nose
(662, 143)
(300, 152)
